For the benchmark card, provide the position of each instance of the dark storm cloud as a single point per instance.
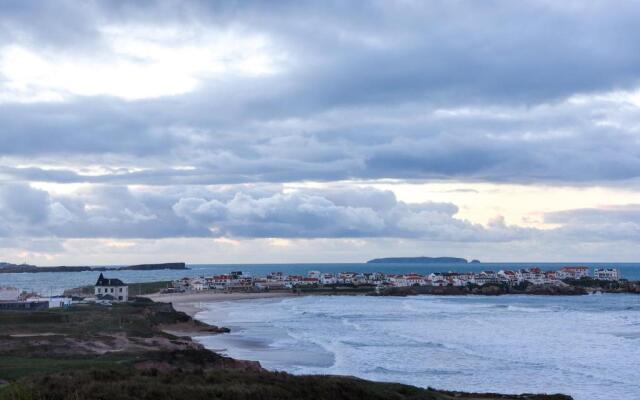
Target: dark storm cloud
(22, 203)
(339, 110)
(94, 126)
(562, 143)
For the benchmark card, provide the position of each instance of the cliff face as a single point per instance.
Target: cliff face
(16, 269)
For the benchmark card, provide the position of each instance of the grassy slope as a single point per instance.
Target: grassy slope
(92, 320)
(12, 368)
(124, 384)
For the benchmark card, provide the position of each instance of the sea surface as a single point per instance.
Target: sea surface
(53, 283)
(585, 346)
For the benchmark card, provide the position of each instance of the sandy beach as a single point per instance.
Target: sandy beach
(192, 303)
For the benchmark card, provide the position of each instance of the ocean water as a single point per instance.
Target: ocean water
(585, 346)
(55, 283)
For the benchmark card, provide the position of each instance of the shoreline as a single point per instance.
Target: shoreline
(191, 303)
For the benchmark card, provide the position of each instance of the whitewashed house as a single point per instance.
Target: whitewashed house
(485, 277)
(53, 302)
(414, 280)
(328, 279)
(314, 274)
(507, 276)
(606, 274)
(347, 278)
(198, 285)
(221, 281)
(533, 275)
(59, 302)
(111, 290)
(397, 280)
(308, 282)
(573, 272)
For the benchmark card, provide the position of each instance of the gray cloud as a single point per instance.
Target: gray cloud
(566, 142)
(385, 51)
(241, 212)
(41, 222)
(465, 91)
(377, 90)
(24, 204)
(598, 224)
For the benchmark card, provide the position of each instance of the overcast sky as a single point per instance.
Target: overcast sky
(228, 131)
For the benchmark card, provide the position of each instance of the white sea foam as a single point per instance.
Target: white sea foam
(586, 346)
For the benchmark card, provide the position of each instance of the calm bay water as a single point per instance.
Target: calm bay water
(55, 283)
(585, 346)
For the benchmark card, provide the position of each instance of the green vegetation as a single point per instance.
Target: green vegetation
(129, 384)
(138, 319)
(12, 368)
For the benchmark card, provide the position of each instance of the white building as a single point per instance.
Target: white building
(485, 277)
(198, 284)
(573, 273)
(221, 281)
(59, 302)
(508, 277)
(606, 274)
(9, 294)
(414, 280)
(314, 274)
(54, 302)
(328, 279)
(111, 290)
(533, 275)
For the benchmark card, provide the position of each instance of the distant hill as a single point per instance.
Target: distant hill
(419, 260)
(150, 267)
(25, 268)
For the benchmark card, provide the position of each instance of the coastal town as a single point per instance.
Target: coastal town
(239, 281)
(112, 290)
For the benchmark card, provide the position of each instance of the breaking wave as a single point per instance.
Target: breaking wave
(510, 344)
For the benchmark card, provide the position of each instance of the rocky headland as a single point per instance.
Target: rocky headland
(9, 268)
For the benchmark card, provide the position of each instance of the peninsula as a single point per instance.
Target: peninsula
(419, 260)
(8, 268)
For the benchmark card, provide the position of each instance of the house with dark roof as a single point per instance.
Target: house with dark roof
(111, 289)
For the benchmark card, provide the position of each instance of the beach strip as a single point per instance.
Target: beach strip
(192, 303)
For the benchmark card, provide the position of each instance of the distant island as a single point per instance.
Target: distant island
(8, 268)
(421, 260)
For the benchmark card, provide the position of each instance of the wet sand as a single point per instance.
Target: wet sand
(192, 303)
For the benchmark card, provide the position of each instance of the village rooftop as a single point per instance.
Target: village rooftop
(239, 281)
